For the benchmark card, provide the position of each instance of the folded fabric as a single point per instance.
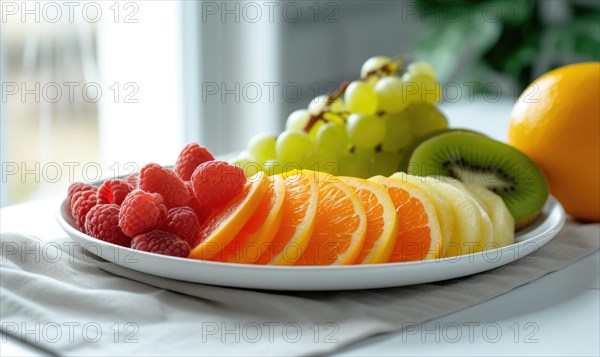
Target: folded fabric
(64, 300)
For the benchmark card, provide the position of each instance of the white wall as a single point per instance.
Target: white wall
(4, 199)
(226, 92)
(325, 45)
(145, 124)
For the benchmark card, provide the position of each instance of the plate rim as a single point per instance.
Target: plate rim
(551, 208)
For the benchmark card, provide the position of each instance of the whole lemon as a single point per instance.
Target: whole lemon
(556, 121)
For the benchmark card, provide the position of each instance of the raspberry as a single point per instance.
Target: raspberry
(190, 157)
(82, 203)
(141, 212)
(202, 213)
(158, 179)
(161, 242)
(113, 191)
(76, 187)
(183, 222)
(216, 182)
(102, 222)
(132, 180)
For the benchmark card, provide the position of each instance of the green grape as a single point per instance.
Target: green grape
(292, 145)
(247, 163)
(422, 88)
(374, 64)
(366, 157)
(352, 165)
(360, 98)
(398, 134)
(273, 167)
(317, 105)
(244, 158)
(314, 130)
(364, 154)
(334, 118)
(391, 95)
(425, 118)
(332, 137)
(384, 163)
(337, 106)
(323, 161)
(297, 120)
(262, 147)
(424, 68)
(365, 131)
(372, 80)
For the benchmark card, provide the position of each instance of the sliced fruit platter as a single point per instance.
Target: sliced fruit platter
(368, 176)
(305, 217)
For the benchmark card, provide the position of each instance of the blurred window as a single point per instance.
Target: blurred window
(89, 90)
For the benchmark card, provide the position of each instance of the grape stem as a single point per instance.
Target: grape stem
(311, 122)
(399, 61)
(330, 99)
(388, 69)
(339, 93)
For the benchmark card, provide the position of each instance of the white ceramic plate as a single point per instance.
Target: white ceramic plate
(323, 278)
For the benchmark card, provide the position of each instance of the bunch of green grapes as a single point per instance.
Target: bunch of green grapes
(362, 130)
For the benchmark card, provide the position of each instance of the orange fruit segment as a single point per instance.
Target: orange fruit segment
(224, 224)
(382, 224)
(340, 225)
(419, 234)
(259, 231)
(299, 210)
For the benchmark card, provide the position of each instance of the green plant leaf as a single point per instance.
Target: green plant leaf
(450, 45)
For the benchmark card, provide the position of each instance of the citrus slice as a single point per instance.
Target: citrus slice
(259, 231)
(299, 209)
(443, 206)
(382, 224)
(225, 223)
(419, 235)
(340, 225)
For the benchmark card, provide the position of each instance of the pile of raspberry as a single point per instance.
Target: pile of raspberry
(161, 210)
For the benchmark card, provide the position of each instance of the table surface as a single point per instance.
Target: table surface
(558, 314)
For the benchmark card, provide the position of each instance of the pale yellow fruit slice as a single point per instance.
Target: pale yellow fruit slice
(486, 238)
(468, 226)
(502, 221)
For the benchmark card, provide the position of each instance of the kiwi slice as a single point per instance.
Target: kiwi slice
(411, 148)
(480, 160)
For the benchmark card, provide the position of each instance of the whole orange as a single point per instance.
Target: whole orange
(556, 121)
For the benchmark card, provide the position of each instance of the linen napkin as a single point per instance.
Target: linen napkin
(66, 301)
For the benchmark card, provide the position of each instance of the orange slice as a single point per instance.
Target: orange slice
(299, 209)
(382, 224)
(444, 206)
(259, 231)
(224, 224)
(340, 225)
(419, 234)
